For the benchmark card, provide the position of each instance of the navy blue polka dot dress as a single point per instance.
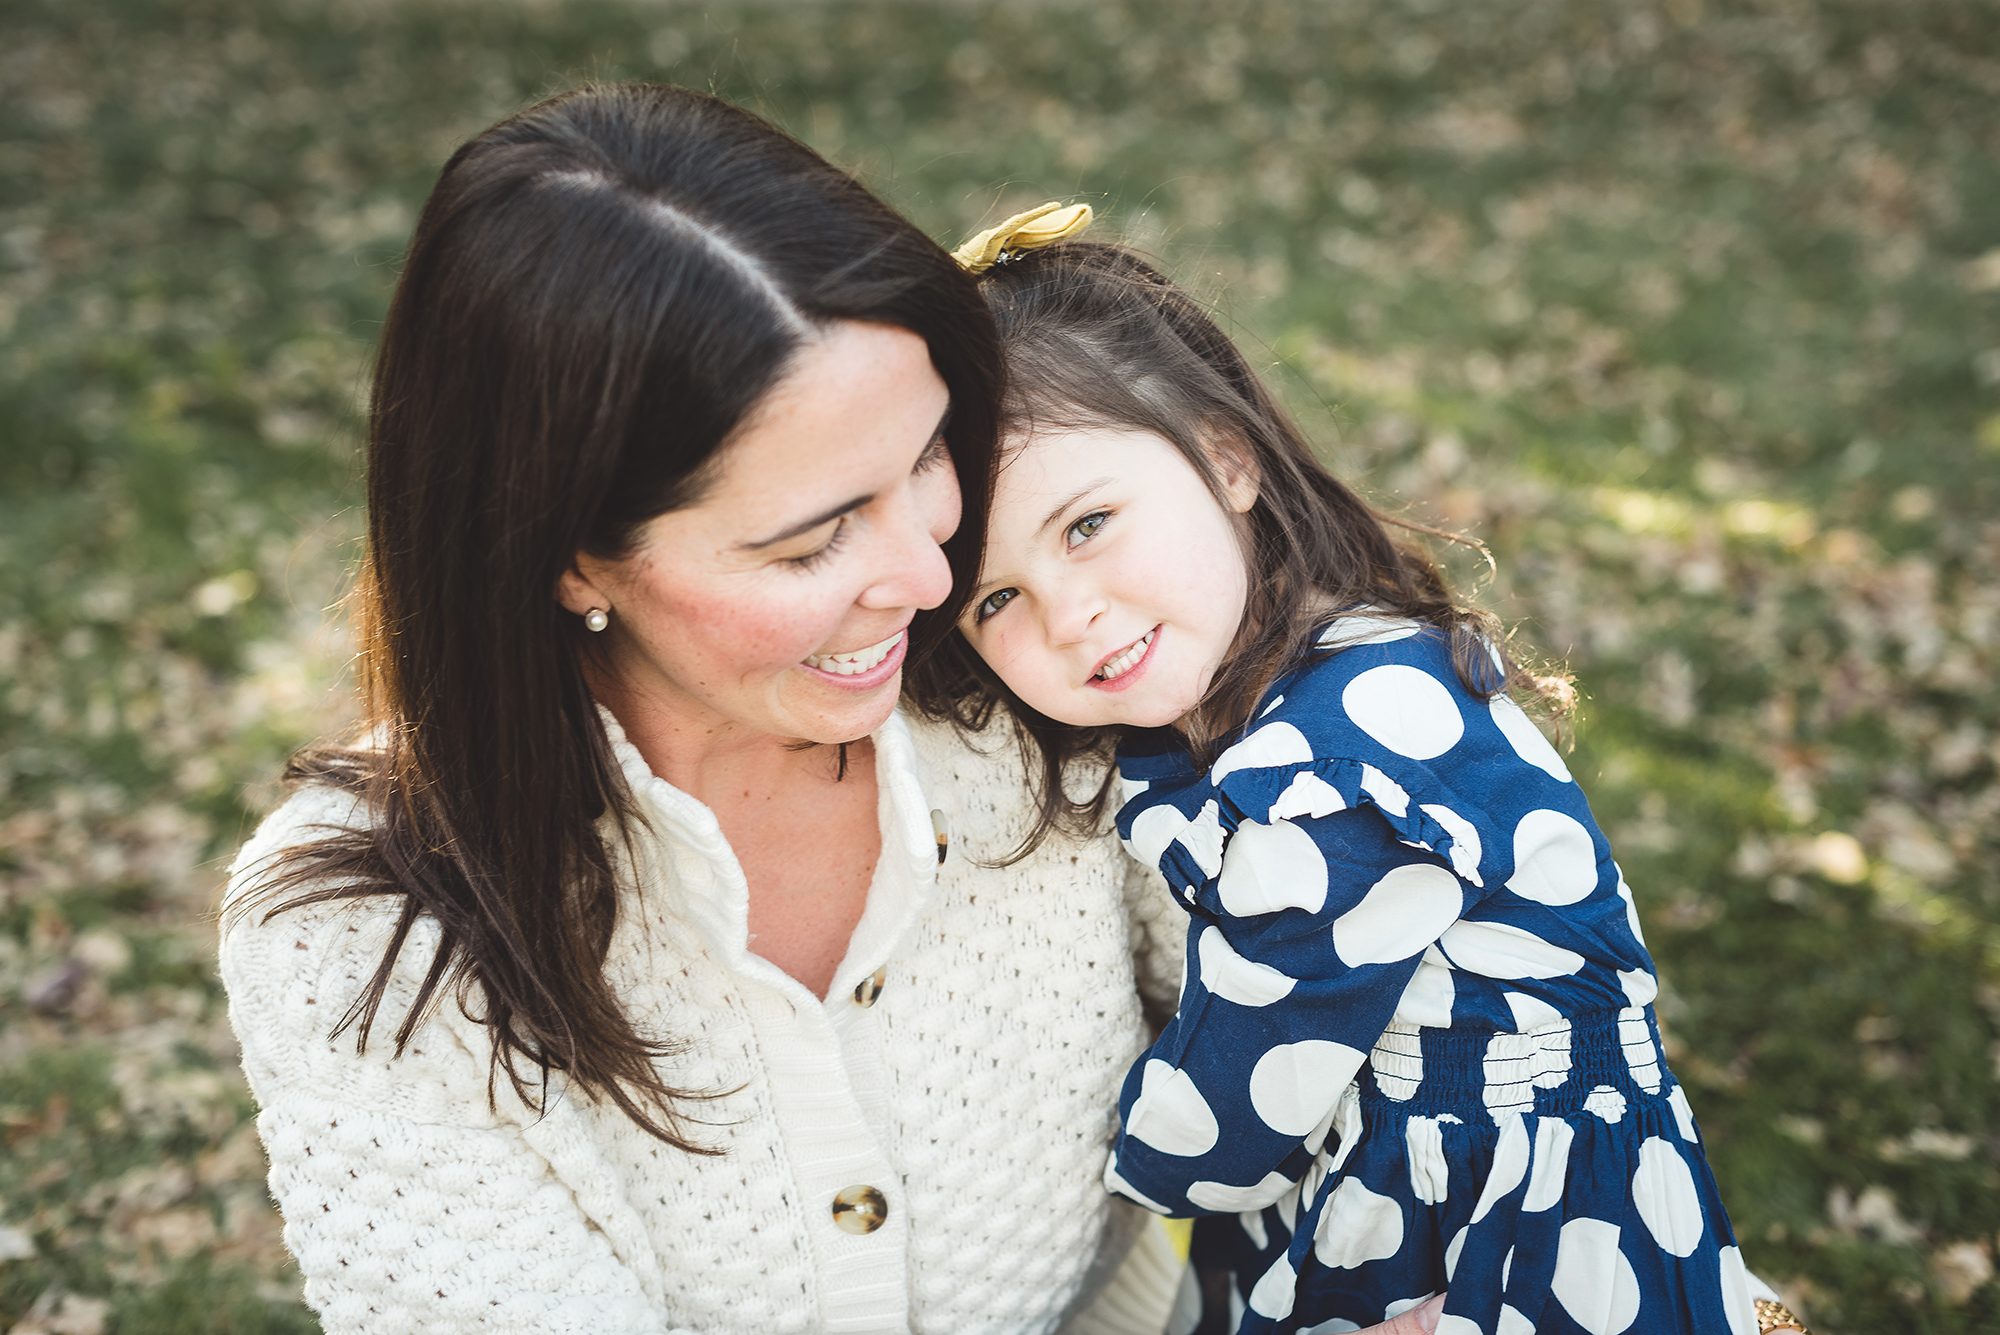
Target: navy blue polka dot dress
(1416, 1048)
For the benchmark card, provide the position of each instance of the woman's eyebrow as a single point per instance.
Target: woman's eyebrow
(807, 525)
(827, 516)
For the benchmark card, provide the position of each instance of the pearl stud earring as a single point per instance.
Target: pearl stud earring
(596, 618)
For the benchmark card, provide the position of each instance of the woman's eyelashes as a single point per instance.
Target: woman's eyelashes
(935, 453)
(812, 560)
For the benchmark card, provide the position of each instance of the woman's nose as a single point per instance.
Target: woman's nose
(913, 570)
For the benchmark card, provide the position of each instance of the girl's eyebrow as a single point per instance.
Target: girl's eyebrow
(1063, 505)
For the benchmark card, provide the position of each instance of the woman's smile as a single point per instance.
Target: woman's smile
(779, 604)
(861, 668)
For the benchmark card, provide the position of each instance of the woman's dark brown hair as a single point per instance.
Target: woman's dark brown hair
(1096, 337)
(599, 288)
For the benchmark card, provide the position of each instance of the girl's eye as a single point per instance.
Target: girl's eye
(814, 559)
(993, 602)
(1084, 529)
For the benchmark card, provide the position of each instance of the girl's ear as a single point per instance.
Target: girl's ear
(1236, 464)
(578, 591)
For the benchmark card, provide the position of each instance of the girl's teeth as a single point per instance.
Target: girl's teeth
(1122, 664)
(855, 663)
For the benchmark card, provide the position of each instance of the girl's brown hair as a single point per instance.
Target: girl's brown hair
(1096, 337)
(598, 290)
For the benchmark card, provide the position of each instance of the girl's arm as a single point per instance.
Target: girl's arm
(1280, 1009)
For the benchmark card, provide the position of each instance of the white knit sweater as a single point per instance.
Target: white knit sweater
(978, 1093)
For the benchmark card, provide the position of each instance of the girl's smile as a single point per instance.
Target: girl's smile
(1121, 670)
(1114, 580)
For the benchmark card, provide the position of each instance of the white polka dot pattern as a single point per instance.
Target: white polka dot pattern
(1502, 950)
(1294, 1085)
(1663, 1193)
(1223, 1198)
(1593, 1281)
(1554, 860)
(1553, 1136)
(1530, 1012)
(1430, 1173)
(1464, 834)
(1458, 873)
(1358, 1226)
(1309, 795)
(1272, 745)
(1203, 838)
(1400, 915)
(1352, 632)
(1683, 1115)
(1275, 1293)
(1736, 1292)
(1171, 1114)
(1428, 998)
(1527, 740)
(1229, 976)
(1405, 709)
(1606, 1104)
(1510, 1165)
(1270, 868)
(1388, 794)
(1152, 831)
(1640, 986)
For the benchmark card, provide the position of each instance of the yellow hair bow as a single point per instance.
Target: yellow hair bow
(1038, 227)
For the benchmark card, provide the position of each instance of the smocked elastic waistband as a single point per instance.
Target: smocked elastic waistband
(1556, 1069)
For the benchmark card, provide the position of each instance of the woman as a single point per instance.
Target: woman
(617, 978)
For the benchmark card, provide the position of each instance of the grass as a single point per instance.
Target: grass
(1690, 311)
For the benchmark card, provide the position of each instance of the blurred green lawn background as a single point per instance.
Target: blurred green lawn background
(1691, 311)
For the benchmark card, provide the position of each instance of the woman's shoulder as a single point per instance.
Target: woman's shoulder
(978, 778)
(294, 972)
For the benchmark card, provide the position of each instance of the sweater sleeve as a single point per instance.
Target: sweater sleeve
(411, 1204)
(400, 1227)
(1299, 953)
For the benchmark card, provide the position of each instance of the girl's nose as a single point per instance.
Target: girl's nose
(1072, 610)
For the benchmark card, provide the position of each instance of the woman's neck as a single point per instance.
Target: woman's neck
(801, 820)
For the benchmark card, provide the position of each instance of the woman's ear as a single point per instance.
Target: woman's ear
(1236, 465)
(578, 591)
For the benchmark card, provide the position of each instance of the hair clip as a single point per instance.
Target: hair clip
(1038, 227)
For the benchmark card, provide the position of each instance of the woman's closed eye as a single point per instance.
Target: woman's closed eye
(992, 603)
(815, 558)
(1084, 529)
(935, 453)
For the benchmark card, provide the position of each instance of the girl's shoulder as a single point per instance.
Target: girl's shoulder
(1382, 721)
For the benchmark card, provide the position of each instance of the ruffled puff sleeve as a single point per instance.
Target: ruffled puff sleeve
(1316, 889)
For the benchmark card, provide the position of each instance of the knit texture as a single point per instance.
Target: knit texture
(976, 1094)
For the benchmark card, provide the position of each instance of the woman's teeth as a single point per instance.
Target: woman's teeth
(1122, 664)
(856, 662)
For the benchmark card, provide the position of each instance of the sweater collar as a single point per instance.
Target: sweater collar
(690, 871)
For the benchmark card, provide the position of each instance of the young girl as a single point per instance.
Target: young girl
(1415, 1049)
